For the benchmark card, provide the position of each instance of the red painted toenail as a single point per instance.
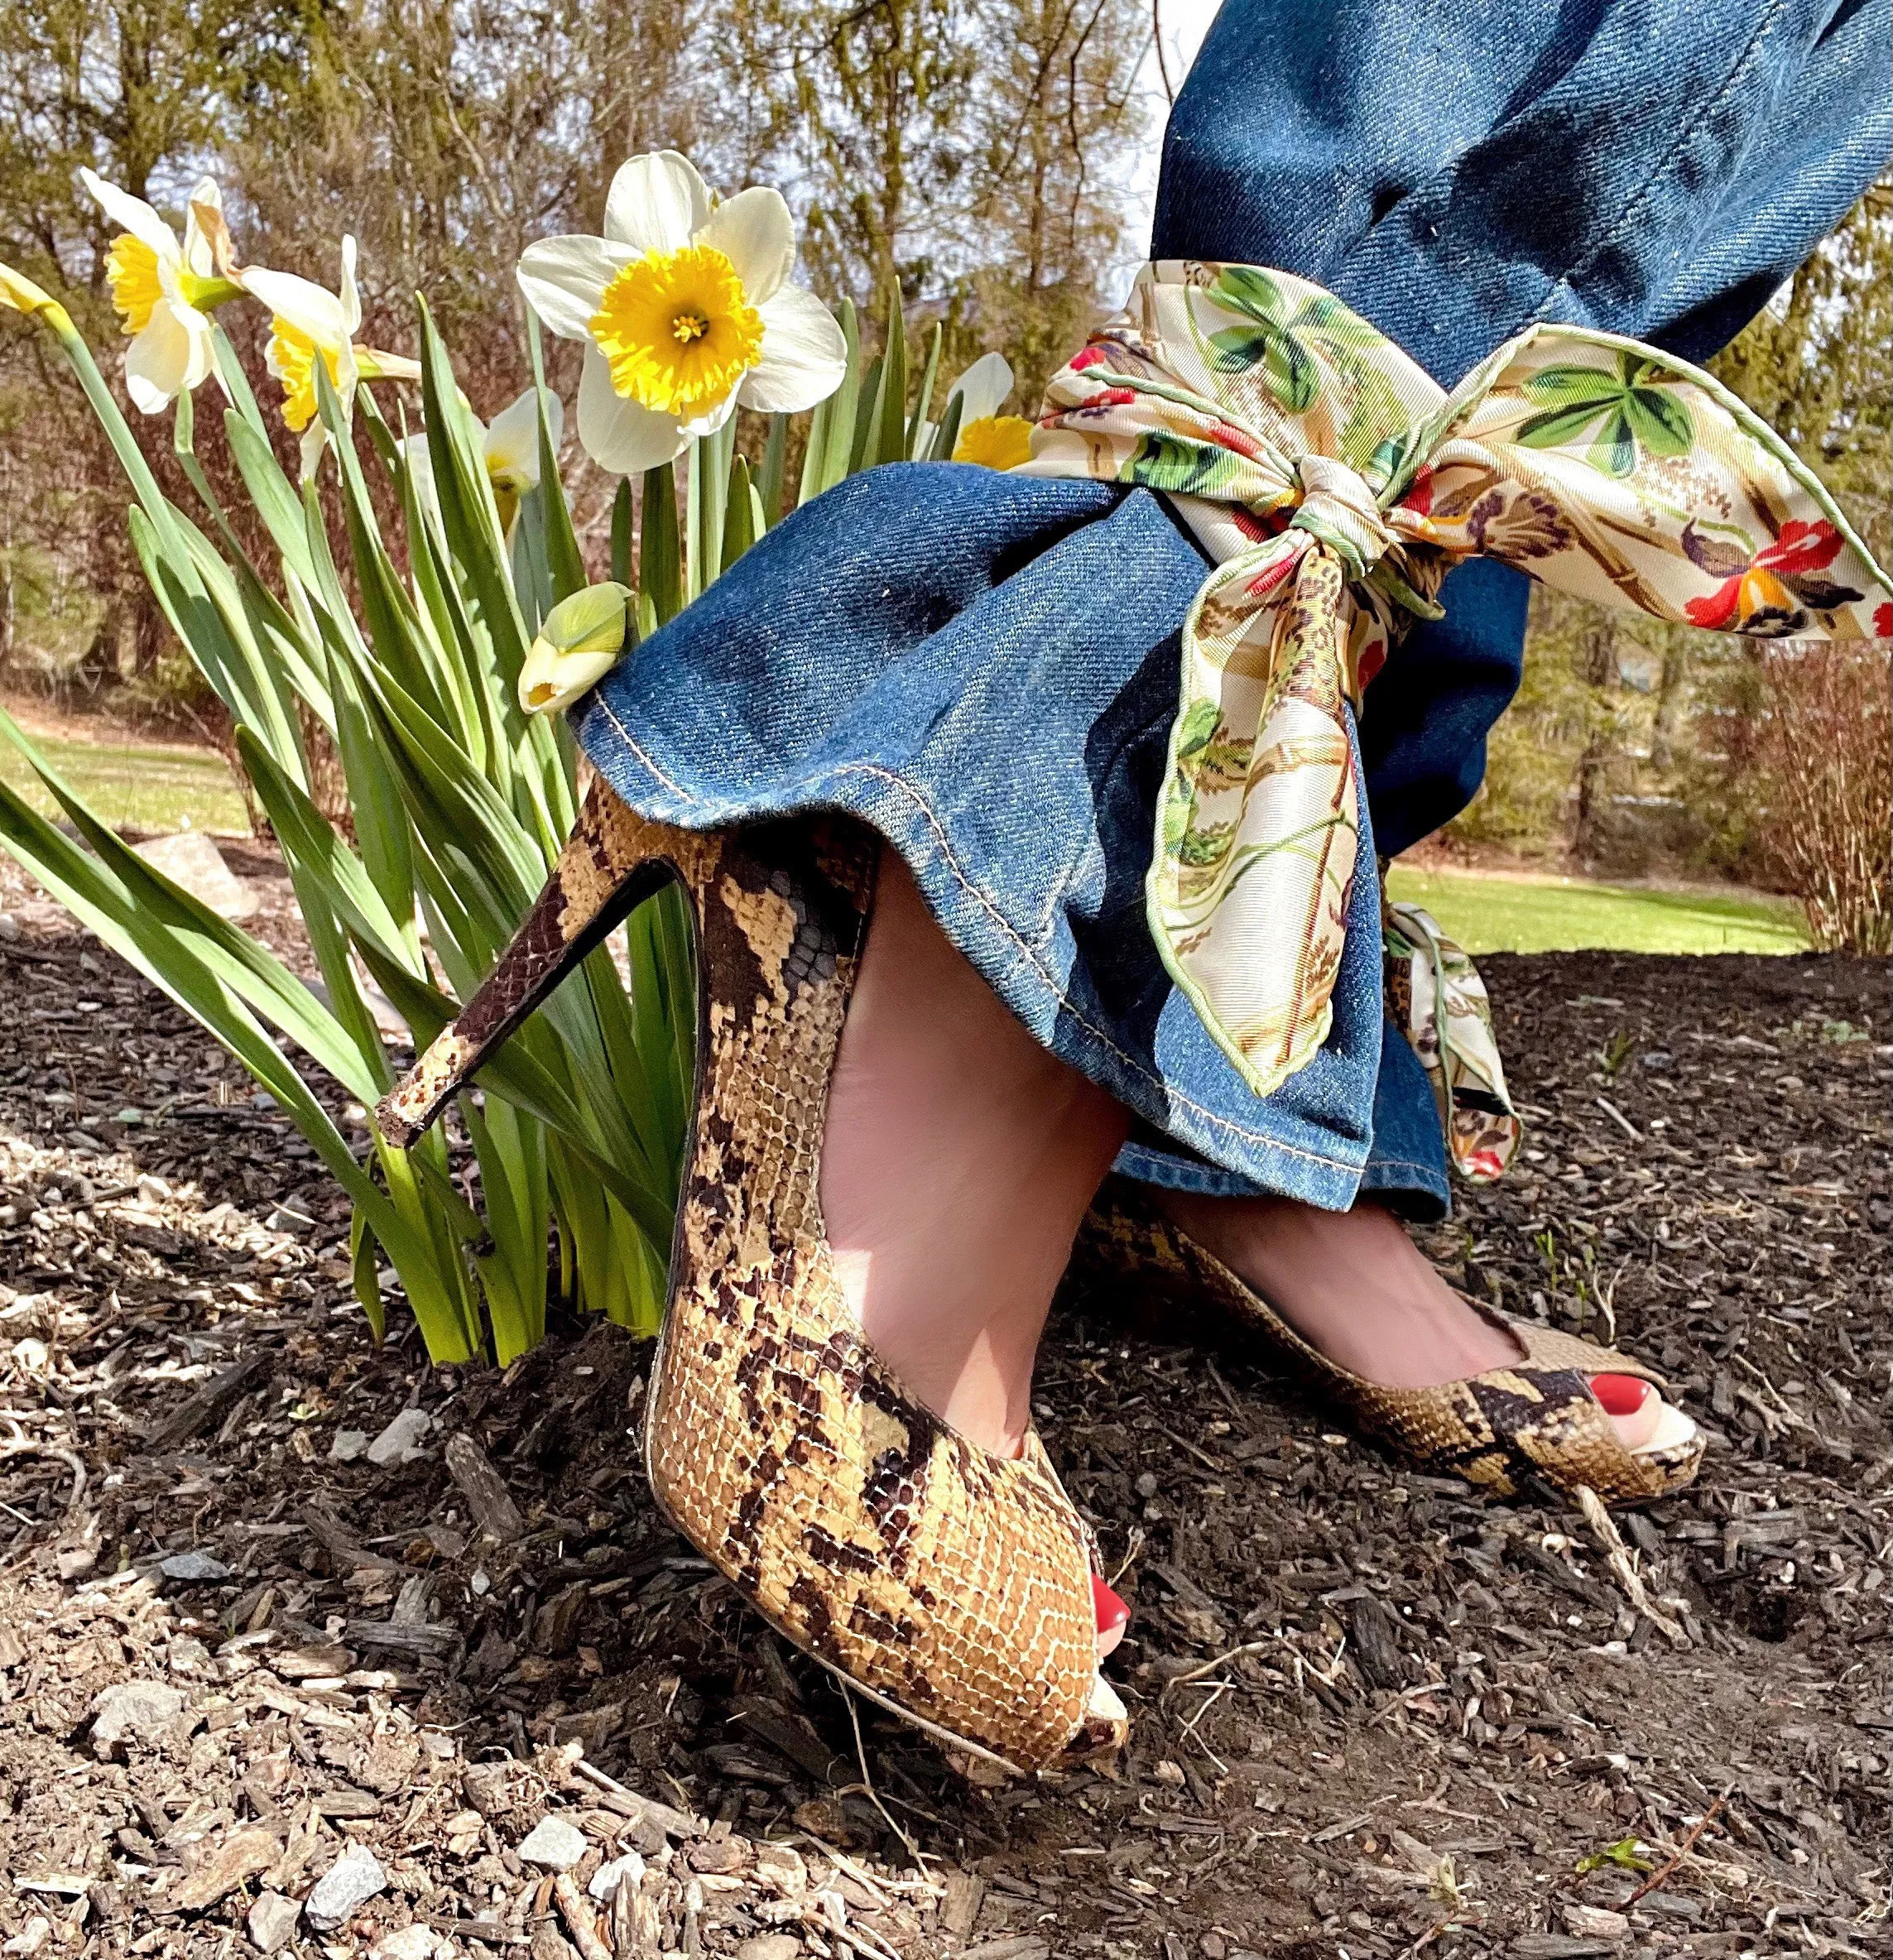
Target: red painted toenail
(1620, 1395)
(1111, 1610)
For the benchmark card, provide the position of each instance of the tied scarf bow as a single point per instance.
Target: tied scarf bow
(1336, 484)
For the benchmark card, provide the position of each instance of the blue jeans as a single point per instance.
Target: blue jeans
(984, 668)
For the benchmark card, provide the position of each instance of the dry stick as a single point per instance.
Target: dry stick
(1210, 1667)
(578, 1918)
(867, 1781)
(1663, 1873)
(1620, 1562)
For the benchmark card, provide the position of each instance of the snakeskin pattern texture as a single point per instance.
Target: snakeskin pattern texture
(1537, 1417)
(949, 1585)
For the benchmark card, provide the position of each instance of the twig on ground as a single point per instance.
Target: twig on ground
(867, 1781)
(579, 1920)
(1618, 1554)
(1662, 1875)
(1621, 1120)
(65, 1456)
(1210, 1667)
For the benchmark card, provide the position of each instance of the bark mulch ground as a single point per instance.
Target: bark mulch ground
(276, 1676)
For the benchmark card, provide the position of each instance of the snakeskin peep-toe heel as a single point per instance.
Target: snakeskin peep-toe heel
(950, 1586)
(1539, 1416)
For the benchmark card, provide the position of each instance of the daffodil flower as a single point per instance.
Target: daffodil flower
(987, 437)
(579, 643)
(685, 313)
(509, 446)
(163, 292)
(309, 322)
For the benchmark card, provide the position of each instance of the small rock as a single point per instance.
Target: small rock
(133, 1709)
(400, 1442)
(192, 1567)
(271, 1923)
(75, 1564)
(191, 861)
(607, 1878)
(9, 926)
(1597, 1922)
(348, 1444)
(31, 1937)
(242, 1855)
(345, 1888)
(770, 1946)
(780, 1867)
(412, 1941)
(188, 1656)
(553, 1843)
(549, 1943)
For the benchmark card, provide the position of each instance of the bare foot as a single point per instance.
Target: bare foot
(1355, 1285)
(957, 1160)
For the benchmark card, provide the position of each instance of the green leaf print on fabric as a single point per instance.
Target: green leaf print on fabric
(1197, 727)
(1629, 401)
(1288, 369)
(1163, 461)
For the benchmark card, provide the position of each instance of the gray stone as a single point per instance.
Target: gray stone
(348, 1444)
(344, 1889)
(400, 1442)
(553, 1843)
(770, 1946)
(607, 1878)
(191, 861)
(271, 1923)
(133, 1709)
(194, 1567)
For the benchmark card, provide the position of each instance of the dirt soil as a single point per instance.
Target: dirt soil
(264, 1686)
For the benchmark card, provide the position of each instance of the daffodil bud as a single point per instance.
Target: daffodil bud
(580, 642)
(19, 294)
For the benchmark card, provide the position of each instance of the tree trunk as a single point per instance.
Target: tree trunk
(1672, 697)
(1598, 660)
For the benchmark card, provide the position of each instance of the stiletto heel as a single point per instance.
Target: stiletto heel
(948, 1585)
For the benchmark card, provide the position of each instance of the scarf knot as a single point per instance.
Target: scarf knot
(1335, 483)
(1337, 507)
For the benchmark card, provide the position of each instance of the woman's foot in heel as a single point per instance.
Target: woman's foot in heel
(1356, 1289)
(957, 1160)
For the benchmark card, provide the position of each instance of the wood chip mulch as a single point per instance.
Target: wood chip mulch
(308, 1647)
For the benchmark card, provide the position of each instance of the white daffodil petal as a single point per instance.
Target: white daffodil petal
(982, 388)
(157, 363)
(512, 445)
(373, 364)
(755, 233)
(713, 419)
(803, 354)
(133, 214)
(314, 441)
(563, 280)
(621, 436)
(656, 204)
(312, 310)
(351, 297)
(206, 237)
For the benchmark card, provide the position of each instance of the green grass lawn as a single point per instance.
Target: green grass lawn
(1514, 914)
(143, 787)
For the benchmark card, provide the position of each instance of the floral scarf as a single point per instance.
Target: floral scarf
(1336, 484)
